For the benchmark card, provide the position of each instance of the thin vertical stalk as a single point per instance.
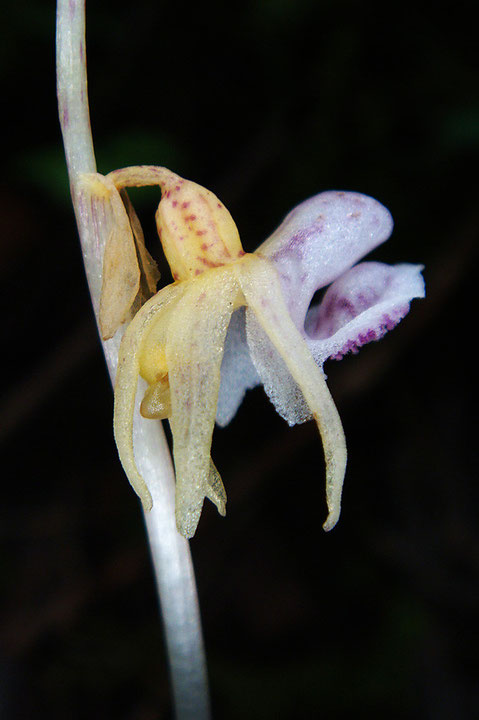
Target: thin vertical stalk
(170, 552)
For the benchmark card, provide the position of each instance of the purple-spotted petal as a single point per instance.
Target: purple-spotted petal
(322, 238)
(361, 306)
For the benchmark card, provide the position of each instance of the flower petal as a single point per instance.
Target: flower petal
(121, 273)
(274, 374)
(194, 350)
(238, 373)
(153, 313)
(262, 291)
(361, 306)
(322, 238)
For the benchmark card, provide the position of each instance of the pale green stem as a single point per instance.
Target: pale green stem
(170, 552)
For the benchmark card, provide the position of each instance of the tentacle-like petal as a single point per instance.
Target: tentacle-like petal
(152, 313)
(262, 291)
(361, 306)
(194, 351)
(322, 238)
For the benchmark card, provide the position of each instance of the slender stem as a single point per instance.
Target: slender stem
(170, 552)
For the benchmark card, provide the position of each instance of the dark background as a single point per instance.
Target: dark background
(265, 102)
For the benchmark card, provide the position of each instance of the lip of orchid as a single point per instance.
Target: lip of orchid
(320, 239)
(316, 245)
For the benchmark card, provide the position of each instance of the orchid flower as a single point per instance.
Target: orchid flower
(231, 319)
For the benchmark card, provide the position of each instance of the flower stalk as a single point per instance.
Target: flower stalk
(170, 551)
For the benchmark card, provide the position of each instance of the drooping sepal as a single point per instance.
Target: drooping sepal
(261, 288)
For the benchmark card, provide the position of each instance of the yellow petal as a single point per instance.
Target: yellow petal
(194, 351)
(262, 291)
(216, 490)
(153, 313)
(196, 230)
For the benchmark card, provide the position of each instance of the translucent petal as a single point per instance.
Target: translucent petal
(121, 272)
(154, 312)
(262, 291)
(194, 351)
(278, 383)
(361, 306)
(322, 238)
(238, 373)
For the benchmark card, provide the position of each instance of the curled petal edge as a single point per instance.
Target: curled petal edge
(361, 306)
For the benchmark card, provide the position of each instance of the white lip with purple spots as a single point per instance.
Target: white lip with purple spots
(318, 245)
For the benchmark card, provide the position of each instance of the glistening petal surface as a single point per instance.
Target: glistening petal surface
(322, 238)
(262, 291)
(194, 351)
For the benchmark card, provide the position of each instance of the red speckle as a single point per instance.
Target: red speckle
(177, 188)
(198, 271)
(168, 193)
(208, 263)
(201, 232)
(220, 205)
(176, 276)
(174, 203)
(204, 246)
(241, 253)
(185, 205)
(190, 217)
